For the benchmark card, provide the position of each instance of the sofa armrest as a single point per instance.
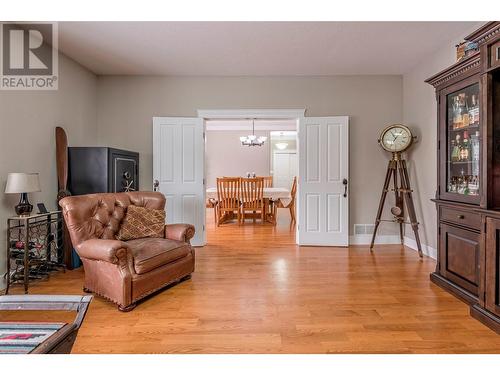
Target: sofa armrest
(179, 232)
(111, 251)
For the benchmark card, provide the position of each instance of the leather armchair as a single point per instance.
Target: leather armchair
(125, 272)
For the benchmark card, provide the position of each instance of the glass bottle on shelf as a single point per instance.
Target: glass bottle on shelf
(465, 150)
(457, 118)
(466, 190)
(474, 111)
(461, 185)
(475, 153)
(453, 150)
(465, 111)
(453, 184)
(474, 185)
(455, 153)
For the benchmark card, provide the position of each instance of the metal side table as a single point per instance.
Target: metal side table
(34, 248)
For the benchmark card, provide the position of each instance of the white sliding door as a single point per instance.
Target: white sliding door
(178, 166)
(323, 208)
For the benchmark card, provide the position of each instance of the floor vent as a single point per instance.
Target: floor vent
(363, 229)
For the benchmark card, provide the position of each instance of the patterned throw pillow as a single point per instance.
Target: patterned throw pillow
(141, 222)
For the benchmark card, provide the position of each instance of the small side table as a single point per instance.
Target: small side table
(42, 337)
(34, 248)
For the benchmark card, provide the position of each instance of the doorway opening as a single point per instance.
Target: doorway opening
(284, 160)
(227, 156)
(322, 199)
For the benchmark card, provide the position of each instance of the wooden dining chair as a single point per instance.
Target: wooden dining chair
(291, 206)
(212, 203)
(268, 181)
(252, 197)
(228, 198)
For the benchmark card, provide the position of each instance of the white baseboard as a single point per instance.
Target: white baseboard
(365, 239)
(426, 250)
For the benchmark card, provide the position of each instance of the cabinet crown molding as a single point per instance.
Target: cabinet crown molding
(458, 69)
(486, 32)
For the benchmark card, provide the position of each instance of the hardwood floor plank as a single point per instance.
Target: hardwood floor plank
(255, 291)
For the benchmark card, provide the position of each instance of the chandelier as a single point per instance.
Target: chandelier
(252, 140)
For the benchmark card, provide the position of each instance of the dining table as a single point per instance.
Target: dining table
(269, 194)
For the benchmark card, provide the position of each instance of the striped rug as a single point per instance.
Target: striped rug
(22, 338)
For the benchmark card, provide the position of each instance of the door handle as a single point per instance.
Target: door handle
(156, 183)
(344, 182)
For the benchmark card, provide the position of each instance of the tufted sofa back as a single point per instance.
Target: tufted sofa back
(100, 215)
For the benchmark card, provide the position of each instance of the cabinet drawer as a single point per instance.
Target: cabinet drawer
(461, 217)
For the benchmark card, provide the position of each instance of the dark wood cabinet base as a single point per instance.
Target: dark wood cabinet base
(454, 289)
(485, 317)
(476, 311)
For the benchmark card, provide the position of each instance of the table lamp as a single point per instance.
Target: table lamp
(22, 183)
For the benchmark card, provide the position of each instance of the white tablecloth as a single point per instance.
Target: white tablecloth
(273, 193)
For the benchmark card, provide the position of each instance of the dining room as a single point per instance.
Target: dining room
(251, 173)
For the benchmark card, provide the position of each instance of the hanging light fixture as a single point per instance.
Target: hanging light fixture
(252, 140)
(281, 145)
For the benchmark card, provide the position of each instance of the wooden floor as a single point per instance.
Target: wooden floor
(254, 291)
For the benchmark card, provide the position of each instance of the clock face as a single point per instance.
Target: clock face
(396, 138)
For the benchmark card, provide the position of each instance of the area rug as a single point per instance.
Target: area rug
(22, 338)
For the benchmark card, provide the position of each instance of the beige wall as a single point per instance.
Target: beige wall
(27, 123)
(126, 105)
(419, 112)
(225, 156)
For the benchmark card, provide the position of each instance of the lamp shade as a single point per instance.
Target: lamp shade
(22, 183)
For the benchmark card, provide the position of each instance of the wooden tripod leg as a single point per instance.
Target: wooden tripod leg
(405, 184)
(399, 204)
(401, 233)
(388, 175)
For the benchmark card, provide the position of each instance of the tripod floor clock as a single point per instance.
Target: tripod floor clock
(396, 139)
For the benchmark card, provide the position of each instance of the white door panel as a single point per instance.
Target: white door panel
(284, 169)
(178, 165)
(323, 211)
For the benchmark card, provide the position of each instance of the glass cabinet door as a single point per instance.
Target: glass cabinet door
(463, 142)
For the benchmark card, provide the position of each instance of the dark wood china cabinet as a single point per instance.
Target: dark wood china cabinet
(468, 181)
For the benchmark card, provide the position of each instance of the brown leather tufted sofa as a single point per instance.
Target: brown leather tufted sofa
(125, 272)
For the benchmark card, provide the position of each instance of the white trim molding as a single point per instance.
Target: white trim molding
(365, 239)
(426, 250)
(260, 125)
(251, 113)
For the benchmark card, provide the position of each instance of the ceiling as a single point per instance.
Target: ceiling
(254, 48)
